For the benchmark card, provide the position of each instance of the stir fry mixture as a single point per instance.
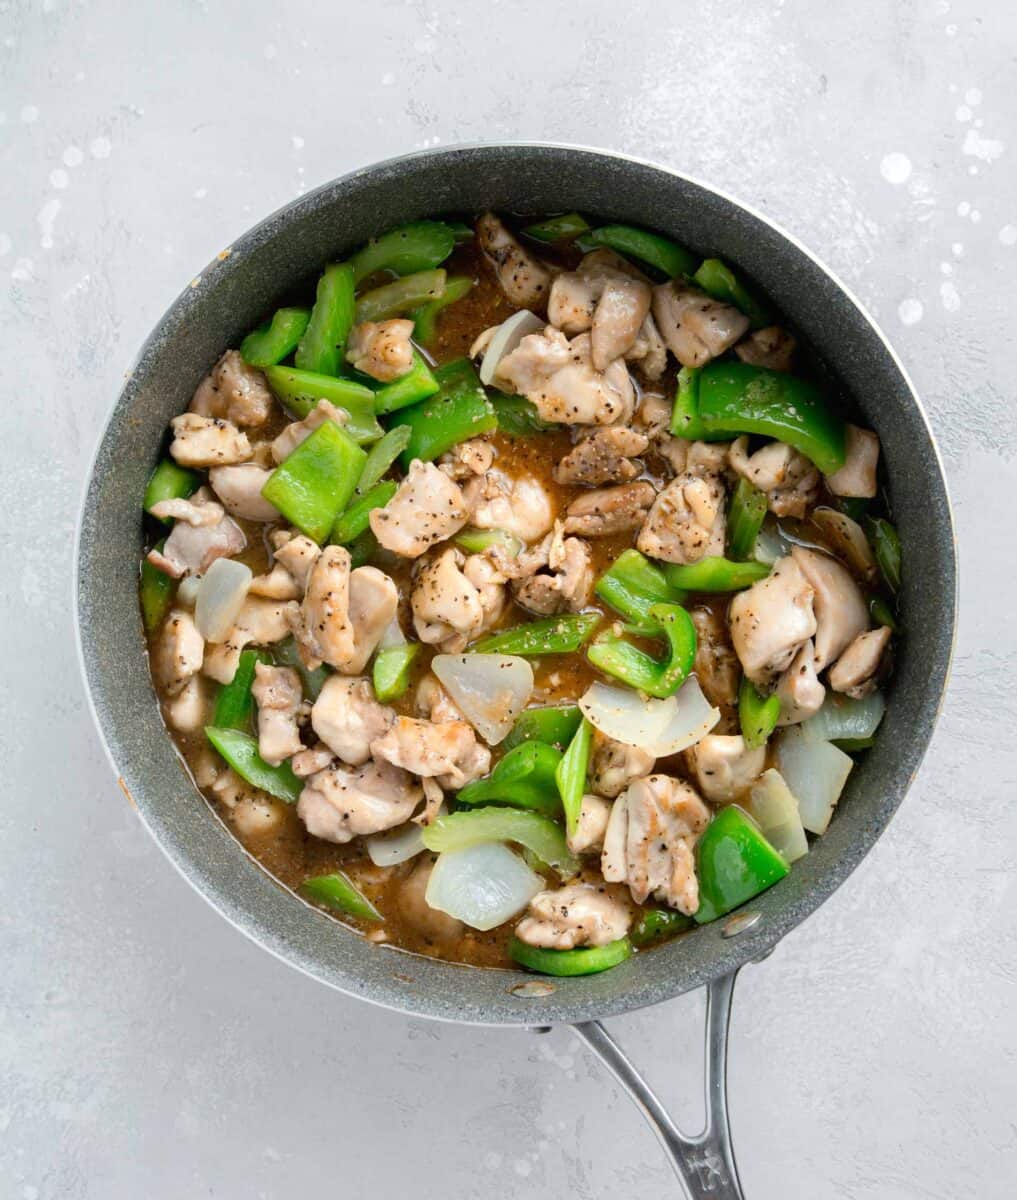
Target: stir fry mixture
(521, 596)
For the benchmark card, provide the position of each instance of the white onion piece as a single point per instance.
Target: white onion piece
(393, 635)
(387, 849)
(841, 717)
(187, 590)
(491, 690)
(624, 715)
(776, 810)
(221, 595)
(815, 772)
(504, 340)
(693, 718)
(482, 886)
(769, 544)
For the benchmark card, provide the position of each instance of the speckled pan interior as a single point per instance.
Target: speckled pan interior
(235, 292)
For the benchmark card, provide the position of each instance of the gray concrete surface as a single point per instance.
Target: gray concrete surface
(145, 1048)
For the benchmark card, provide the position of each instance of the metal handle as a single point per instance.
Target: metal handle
(705, 1164)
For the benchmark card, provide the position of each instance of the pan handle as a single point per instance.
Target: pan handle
(704, 1163)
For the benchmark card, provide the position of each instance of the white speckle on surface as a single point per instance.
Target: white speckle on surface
(29, 114)
(297, 142)
(387, 79)
(271, 51)
(976, 216)
(963, 113)
(973, 96)
(24, 270)
(72, 157)
(100, 147)
(949, 296)
(957, 249)
(946, 268)
(522, 1167)
(910, 311)
(6, 244)
(963, 208)
(200, 193)
(950, 30)
(986, 149)
(895, 168)
(59, 178)
(45, 219)
(492, 1160)
(972, 170)
(1008, 235)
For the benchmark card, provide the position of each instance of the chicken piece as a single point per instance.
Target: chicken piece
(445, 751)
(381, 349)
(694, 326)
(725, 767)
(202, 533)
(348, 718)
(297, 553)
(648, 351)
(278, 695)
(178, 652)
(840, 608)
(516, 504)
(559, 378)
(187, 711)
(311, 761)
(615, 765)
(854, 673)
(771, 347)
(847, 541)
(455, 599)
(260, 622)
(771, 621)
(252, 812)
(433, 925)
(588, 837)
(277, 584)
(611, 304)
(233, 391)
(610, 510)
(523, 278)
(716, 665)
(604, 456)
(566, 585)
(572, 302)
(857, 477)
(800, 693)
(207, 442)
(467, 459)
(694, 458)
(239, 490)
(790, 481)
(578, 915)
(687, 520)
(653, 416)
(341, 803)
(199, 511)
(434, 802)
(427, 508)
(650, 840)
(298, 431)
(433, 702)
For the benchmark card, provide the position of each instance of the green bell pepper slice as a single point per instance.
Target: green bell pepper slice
(757, 715)
(340, 892)
(554, 724)
(425, 318)
(715, 574)
(571, 773)
(362, 549)
(323, 344)
(390, 673)
(660, 252)
(551, 635)
(881, 612)
(454, 831)
(619, 658)
(287, 654)
(518, 417)
(524, 778)
(417, 384)
(234, 704)
(405, 250)
(724, 399)
(632, 584)
(589, 960)
(300, 391)
(155, 590)
(718, 280)
(381, 456)
(355, 519)
(745, 516)
(734, 864)
(886, 547)
(458, 411)
(656, 924)
(400, 296)
(168, 482)
(558, 229)
(276, 339)
(240, 751)
(315, 483)
(476, 541)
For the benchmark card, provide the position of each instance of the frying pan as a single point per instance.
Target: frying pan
(232, 295)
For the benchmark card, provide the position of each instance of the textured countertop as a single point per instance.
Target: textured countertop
(149, 1051)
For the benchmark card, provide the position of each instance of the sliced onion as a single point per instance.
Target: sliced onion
(504, 340)
(387, 849)
(770, 544)
(775, 808)
(692, 720)
(483, 886)
(624, 715)
(393, 635)
(491, 690)
(842, 718)
(816, 772)
(220, 597)
(187, 590)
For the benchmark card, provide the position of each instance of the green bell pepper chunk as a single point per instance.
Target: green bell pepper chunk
(854, 745)
(524, 778)
(461, 231)
(315, 483)
(425, 318)
(757, 715)
(340, 892)
(745, 516)
(287, 654)
(586, 961)
(518, 417)
(555, 724)
(391, 671)
(300, 392)
(718, 280)
(571, 774)
(552, 635)
(352, 522)
(455, 831)
(381, 456)
(882, 613)
(656, 924)
(400, 296)
(886, 546)
(323, 344)
(639, 670)
(362, 549)
(666, 256)
(168, 482)
(417, 384)
(476, 541)
(457, 412)
(405, 250)
(276, 339)
(632, 584)
(155, 591)
(240, 751)
(715, 574)
(558, 229)
(734, 863)
(724, 399)
(234, 705)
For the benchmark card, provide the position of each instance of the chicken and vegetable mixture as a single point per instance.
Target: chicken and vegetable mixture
(521, 596)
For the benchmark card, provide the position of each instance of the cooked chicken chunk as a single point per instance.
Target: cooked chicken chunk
(615, 765)
(344, 613)
(695, 327)
(523, 278)
(252, 813)
(456, 598)
(467, 459)
(311, 761)
(297, 553)
(854, 673)
(610, 510)
(847, 540)
(840, 608)
(789, 480)
(771, 621)
(566, 584)
(278, 695)
(233, 391)
(199, 511)
(341, 803)
(298, 431)
(857, 477)
(611, 304)
(516, 504)
(277, 584)
(578, 915)
(591, 826)
(202, 533)
(259, 623)
(771, 347)
(687, 520)
(433, 702)
(207, 442)
(427, 508)
(725, 767)
(381, 349)
(650, 841)
(177, 653)
(449, 751)
(239, 489)
(800, 693)
(648, 351)
(348, 718)
(604, 456)
(187, 711)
